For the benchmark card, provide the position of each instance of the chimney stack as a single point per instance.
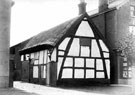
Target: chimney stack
(103, 5)
(82, 7)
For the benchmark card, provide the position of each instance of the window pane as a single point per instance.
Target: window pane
(67, 73)
(85, 51)
(100, 75)
(35, 72)
(64, 43)
(99, 64)
(90, 63)
(85, 30)
(75, 48)
(79, 73)
(68, 62)
(79, 62)
(95, 49)
(41, 56)
(90, 74)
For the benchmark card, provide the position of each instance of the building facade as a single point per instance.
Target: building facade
(81, 51)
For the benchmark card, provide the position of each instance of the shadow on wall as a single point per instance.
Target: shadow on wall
(17, 75)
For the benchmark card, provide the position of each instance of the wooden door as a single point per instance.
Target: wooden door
(42, 74)
(25, 71)
(31, 71)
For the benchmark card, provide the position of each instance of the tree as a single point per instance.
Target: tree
(126, 45)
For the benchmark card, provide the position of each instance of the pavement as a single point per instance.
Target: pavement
(22, 88)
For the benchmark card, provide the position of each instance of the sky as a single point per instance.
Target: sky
(30, 17)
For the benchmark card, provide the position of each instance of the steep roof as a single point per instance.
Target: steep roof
(52, 37)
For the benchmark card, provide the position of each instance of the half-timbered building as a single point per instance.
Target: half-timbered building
(81, 51)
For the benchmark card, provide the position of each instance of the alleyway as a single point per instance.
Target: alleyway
(21, 88)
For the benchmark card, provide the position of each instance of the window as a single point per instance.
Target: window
(132, 21)
(39, 59)
(35, 71)
(132, 29)
(22, 57)
(126, 69)
(132, 11)
(27, 56)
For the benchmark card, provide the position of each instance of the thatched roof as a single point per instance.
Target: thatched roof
(52, 36)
